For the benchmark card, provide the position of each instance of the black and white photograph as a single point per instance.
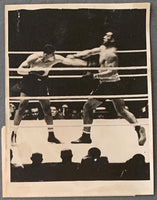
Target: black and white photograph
(78, 100)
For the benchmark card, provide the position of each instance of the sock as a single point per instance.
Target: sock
(15, 129)
(86, 132)
(50, 129)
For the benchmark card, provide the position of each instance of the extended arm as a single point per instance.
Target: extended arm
(86, 53)
(71, 61)
(24, 68)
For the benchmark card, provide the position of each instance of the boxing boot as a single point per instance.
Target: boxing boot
(85, 138)
(52, 138)
(141, 135)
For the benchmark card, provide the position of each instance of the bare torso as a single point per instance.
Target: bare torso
(107, 60)
(39, 62)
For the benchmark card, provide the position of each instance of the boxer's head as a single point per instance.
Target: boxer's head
(108, 39)
(48, 51)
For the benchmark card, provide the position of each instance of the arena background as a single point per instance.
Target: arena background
(153, 34)
(75, 30)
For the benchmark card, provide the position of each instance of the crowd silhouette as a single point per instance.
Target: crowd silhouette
(34, 112)
(93, 166)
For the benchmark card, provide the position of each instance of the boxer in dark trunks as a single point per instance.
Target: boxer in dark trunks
(35, 71)
(109, 84)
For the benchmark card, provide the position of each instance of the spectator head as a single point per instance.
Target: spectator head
(65, 110)
(26, 114)
(12, 107)
(53, 111)
(64, 106)
(74, 111)
(12, 110)
(94, 153)
(74, 114)
(35, 112)
(138, 159)
(66, 156)
(36, 158)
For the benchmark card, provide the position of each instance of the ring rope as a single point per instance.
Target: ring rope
(80, 76)
(71, 52)
(82, 97)
(78, 100)
(88, 68)
(72, 125)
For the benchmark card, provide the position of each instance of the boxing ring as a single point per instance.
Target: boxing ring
(112, 136)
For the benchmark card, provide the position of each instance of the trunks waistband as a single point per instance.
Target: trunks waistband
(39, 78)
